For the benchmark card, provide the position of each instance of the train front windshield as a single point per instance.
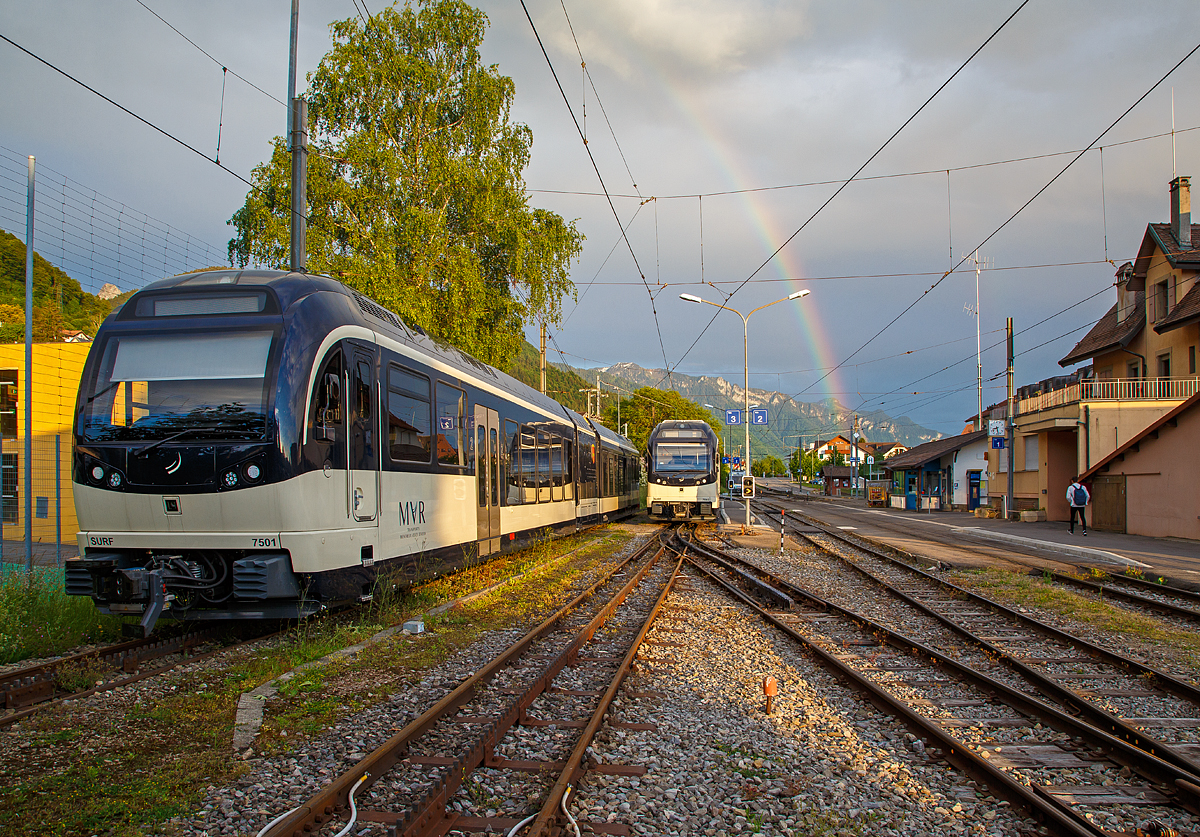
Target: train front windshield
(682, 457)
(160, 385)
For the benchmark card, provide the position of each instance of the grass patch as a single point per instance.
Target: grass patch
(1040, 592)
(126, 772)
(38, 618)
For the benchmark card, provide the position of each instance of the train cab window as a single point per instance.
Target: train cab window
(408, 415)
(451, 408)
(327, 401)
(512, 463)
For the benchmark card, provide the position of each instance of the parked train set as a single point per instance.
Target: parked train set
(684, 472)
(261, 444)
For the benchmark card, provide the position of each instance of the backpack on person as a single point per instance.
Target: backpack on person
(1079, 495)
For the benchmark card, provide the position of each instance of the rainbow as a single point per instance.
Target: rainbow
(770, 231)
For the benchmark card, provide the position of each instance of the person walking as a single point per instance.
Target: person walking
(1078, 497)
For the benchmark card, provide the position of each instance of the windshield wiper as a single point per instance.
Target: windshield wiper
(146, 450)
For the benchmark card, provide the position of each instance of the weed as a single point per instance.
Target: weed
(39, 619)
(78, 676)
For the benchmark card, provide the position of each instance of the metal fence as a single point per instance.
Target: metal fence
(52, 524)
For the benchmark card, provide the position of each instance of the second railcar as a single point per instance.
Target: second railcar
(684, 473)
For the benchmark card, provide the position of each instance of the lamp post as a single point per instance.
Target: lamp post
(746, 355)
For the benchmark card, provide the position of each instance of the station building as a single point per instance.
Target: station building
(1141, 366)
(948, 473)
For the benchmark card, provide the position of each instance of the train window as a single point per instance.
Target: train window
(512, 463)
(364, 389)
(408, 415)
(481, 474)
(556, 469)
(568, 471)
(529, 479)
(495, 466)
(543, 465)
(451, 407)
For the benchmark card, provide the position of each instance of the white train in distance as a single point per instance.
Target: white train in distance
(263, 445)
(684, 472)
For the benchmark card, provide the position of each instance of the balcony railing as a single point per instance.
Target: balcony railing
(1113, 389)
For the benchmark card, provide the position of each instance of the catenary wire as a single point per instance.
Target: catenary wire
(600, 177)
(1010, 218)
(236, 75)
(858, 171)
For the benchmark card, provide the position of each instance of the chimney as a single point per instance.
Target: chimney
(1181, 212)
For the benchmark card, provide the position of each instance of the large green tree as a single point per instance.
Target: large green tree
(415, 189)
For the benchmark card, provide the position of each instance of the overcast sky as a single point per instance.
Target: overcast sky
(705, 97)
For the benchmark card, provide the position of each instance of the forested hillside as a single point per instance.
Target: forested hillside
(81, 311)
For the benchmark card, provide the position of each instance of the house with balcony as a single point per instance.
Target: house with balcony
(1141, 359)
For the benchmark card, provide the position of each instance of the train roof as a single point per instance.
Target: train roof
(291, 287)
(683, 429)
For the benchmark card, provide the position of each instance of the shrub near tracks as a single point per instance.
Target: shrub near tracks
(130, 760)
(37, 618)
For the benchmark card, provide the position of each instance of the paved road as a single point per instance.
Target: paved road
(1170, 557)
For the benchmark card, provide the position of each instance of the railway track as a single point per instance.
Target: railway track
(1126, 591)
(1067, 773)
(1151, 708)
(563, 675)
(27, 690)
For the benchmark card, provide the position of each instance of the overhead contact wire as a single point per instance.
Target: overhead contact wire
(1010, 218)
(600, 177)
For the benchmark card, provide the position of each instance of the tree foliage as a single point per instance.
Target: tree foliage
(768, 466)
(415, 189)
(648, 406)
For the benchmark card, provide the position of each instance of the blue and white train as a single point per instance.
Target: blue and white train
(260, 444)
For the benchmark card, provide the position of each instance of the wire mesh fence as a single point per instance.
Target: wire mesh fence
(41, 505)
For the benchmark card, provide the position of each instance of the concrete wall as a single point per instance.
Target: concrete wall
(1113, 423)
(1160, 482)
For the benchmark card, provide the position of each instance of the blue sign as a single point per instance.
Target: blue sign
(998, 443)
(445, 422)
(724, 460)
(737, 462)
(758, 416)
(733, 416)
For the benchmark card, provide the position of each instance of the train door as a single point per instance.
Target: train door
(487, 478)
(362, 472)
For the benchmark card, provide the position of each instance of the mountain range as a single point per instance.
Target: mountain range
(788, 418)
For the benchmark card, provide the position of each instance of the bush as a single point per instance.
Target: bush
(38, 618)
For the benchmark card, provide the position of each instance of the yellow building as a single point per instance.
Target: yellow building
(57, 369)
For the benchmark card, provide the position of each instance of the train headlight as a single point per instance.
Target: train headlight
(114, 479)
(98, 473)
(252, 472)
(231, 479)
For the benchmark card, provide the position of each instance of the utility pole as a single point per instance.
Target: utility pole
(1008, 505)
(298, 146)
(854, 455)
(28, 487)
(543, 356)
(978, 348)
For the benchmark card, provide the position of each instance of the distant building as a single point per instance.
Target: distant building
(945, 473)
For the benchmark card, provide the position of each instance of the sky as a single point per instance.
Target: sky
(719, 128)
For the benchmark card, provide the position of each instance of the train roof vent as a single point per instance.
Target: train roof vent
(372, 309)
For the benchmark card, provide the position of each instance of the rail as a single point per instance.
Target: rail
(1113, 389)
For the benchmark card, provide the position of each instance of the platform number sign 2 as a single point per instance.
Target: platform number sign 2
(758, 416)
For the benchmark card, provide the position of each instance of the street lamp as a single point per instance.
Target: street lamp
(746, 354)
